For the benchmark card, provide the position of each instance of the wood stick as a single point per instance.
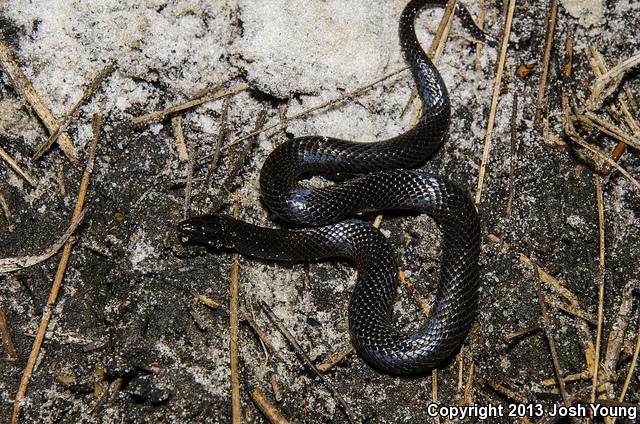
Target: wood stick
(506, 32)
(601, 270)
(57, 283)
(480, 23)
(270, 411)
(598, 92)
(306, 112)
(13, 264)
(236, 413)
(7, 213)
(14, 165)
(181, 146)
(552, 344)
(335, 359)
(23, 86)
(548, 44)
(86, 95)
(304, 358)
(9, 348)
(154, 116)
(632, 367)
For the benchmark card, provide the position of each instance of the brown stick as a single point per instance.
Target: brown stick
(306, 112)
(6, 338)
(14, 165)
(181, 146)
(480, 23)
(632, 367)
(23, 86)
(86, 95)
(270, 411)
(154, 116)
(506, 32)
(236, 413)
(551, 342)
(57, 282)
(335, 359)
(548, 44)
(304, 358)
(596, 366)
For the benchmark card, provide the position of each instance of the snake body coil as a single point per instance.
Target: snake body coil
(381, 182)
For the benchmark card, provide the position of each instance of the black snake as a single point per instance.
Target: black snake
(371, 177)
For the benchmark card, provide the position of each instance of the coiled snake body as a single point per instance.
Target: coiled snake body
(381, 182)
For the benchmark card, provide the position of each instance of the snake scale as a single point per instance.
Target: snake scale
(371, 177)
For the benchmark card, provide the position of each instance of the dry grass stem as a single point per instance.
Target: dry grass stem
(207, 301)
(506, 31)
(608, 82)
(234, 362)
(632, 367)
(600, 154)
(86, 95)
(277, 393)
(62, 267)
(434, 391)
(23, 86)
(9, 348)
(548, 45)
(601, 271)
(154, 116)
(21, 262)
(304, 358)
(480, 22)
(469, 389)
(189, 185)
(572, 310)
(335, 359)
(270, 411)
(178, 134)
(505, 391)
(7, 213)
(234, 169)
(444, 27)
(616, 339)
(264, 340)
(14, 165)
(552, 344)
(514, 151)
(523, 332)
(323, 105)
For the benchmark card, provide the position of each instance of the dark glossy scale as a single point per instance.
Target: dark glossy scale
(382, 182)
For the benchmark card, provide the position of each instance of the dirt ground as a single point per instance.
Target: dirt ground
(129, 341)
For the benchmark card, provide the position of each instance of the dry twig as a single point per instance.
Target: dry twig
(20, 262)
(548, 44)
(9, 348)
(307, 361)
(233, 328)
(594, 382)
(270, 411)
(23, 86)
(178, 133)
(506, 31)
(86, 95)
(154, 116)
(551, 342)
(57, 283)
(14, 165)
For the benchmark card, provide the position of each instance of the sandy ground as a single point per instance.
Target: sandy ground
(126, 313)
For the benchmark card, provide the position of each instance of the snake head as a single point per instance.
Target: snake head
(207, 230)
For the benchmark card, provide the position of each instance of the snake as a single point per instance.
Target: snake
(370, 177)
